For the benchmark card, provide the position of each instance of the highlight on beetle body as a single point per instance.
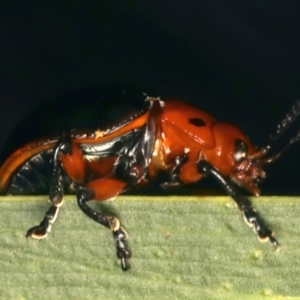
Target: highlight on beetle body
(170, 136)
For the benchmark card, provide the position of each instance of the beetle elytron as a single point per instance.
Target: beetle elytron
(106, 158)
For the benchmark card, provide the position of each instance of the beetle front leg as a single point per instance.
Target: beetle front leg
(104, 189)
(244, 204)
(174, 173)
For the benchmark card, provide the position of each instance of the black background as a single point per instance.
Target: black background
(237, 60)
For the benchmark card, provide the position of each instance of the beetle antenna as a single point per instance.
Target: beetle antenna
(287, 121)
(290, 118)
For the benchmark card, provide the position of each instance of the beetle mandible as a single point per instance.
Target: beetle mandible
(108, 158)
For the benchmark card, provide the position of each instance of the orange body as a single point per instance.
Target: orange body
(180, 130)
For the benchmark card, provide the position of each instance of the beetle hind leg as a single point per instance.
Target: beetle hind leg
(56, 197)
(86, 194)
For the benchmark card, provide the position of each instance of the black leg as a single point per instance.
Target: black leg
(40, 231)
(55, 196)
(174, 173)
(123, 253)
(251, 216)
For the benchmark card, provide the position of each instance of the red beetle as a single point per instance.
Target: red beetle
(108, 158)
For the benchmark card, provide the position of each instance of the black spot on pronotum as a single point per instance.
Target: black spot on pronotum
(197, 122)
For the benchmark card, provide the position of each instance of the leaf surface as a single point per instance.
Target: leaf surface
(183, 248)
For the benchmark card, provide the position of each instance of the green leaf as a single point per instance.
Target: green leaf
(183, 248)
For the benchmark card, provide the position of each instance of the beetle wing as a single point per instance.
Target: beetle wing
(25, 167)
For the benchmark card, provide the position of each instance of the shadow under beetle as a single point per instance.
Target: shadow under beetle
(112, 154)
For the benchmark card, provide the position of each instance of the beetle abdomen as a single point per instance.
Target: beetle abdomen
(33, 176)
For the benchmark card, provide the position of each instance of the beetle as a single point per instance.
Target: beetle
(110, 155)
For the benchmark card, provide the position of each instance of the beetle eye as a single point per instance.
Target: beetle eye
(241, 150)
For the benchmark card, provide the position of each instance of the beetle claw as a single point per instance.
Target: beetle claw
(274, 242)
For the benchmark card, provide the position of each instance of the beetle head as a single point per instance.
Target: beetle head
(247, 170)
(236, 157)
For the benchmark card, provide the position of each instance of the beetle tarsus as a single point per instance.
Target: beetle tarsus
(274, 242)
(40, 231)
(264, 234)
(123, 253)
(124, 264)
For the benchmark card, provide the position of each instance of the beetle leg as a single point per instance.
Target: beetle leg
(129, 169)
(40, 231)
(251, 216)
(103, 189)
(55, 196)
(127, 172)
(175, 172)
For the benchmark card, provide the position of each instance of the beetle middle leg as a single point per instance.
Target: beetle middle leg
(244, 204)
(129, 169)
(103, 189)
(175, 173)
(100, 190)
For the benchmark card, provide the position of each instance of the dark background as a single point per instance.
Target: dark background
(240, 61)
